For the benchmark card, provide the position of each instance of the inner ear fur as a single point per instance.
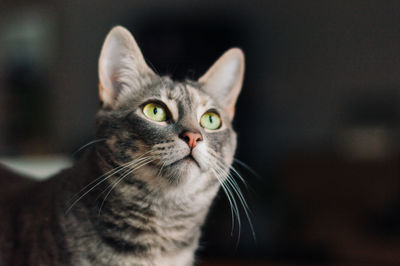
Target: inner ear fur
(120, 62)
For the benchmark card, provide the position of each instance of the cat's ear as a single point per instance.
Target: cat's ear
(224, 79)
(121, 63)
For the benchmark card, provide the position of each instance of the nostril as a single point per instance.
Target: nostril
(199, 138)
(185, 138)
(191, 138)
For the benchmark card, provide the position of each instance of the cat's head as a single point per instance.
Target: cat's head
(169, 132)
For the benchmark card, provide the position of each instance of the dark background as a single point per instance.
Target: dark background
(317, 120)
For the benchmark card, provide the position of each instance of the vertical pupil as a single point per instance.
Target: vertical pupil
(210, 118)
(155, 110)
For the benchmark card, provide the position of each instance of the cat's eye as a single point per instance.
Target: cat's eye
(155, 112)
(210, 120)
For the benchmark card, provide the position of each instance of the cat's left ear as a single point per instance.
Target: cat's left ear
(224, 79)
(121, 65)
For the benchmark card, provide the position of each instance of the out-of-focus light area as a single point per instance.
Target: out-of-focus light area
(317, 120)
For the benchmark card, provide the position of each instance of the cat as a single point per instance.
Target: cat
(140, 194)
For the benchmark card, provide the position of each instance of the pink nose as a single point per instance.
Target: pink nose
(191, 138)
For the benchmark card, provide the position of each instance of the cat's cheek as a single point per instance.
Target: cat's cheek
(228, 149)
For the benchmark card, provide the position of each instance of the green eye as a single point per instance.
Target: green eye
(155, 112)
(210, 120)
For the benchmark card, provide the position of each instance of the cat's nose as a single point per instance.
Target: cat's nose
(191, 138)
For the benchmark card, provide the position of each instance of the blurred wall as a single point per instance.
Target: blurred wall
(309, 62)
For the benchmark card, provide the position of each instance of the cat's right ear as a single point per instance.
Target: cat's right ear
(224, 79)
(121, 65)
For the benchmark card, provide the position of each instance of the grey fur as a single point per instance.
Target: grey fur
(145, 202)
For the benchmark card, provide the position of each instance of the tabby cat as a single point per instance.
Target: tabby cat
(140, 194)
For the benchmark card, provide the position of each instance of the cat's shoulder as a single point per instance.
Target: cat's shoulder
(9, 180)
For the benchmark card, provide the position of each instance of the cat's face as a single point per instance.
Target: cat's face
(169, 132)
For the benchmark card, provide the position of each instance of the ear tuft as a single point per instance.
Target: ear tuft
(224, 79)
(120, 62)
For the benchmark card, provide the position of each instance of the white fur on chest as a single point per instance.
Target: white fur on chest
(183, 258)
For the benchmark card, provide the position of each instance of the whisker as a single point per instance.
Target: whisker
(248, 168)
(93, 187)
(231, 167)
(129, 169)
(87, 144)
(246, 208)
(105, 177)
(230, 200)
(236, 208)
(230, 181)
(121, 178)
(161, 168)
(115, 170)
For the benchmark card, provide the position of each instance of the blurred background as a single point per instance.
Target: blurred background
(318, 118)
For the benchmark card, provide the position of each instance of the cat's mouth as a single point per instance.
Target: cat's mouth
(187, 159)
